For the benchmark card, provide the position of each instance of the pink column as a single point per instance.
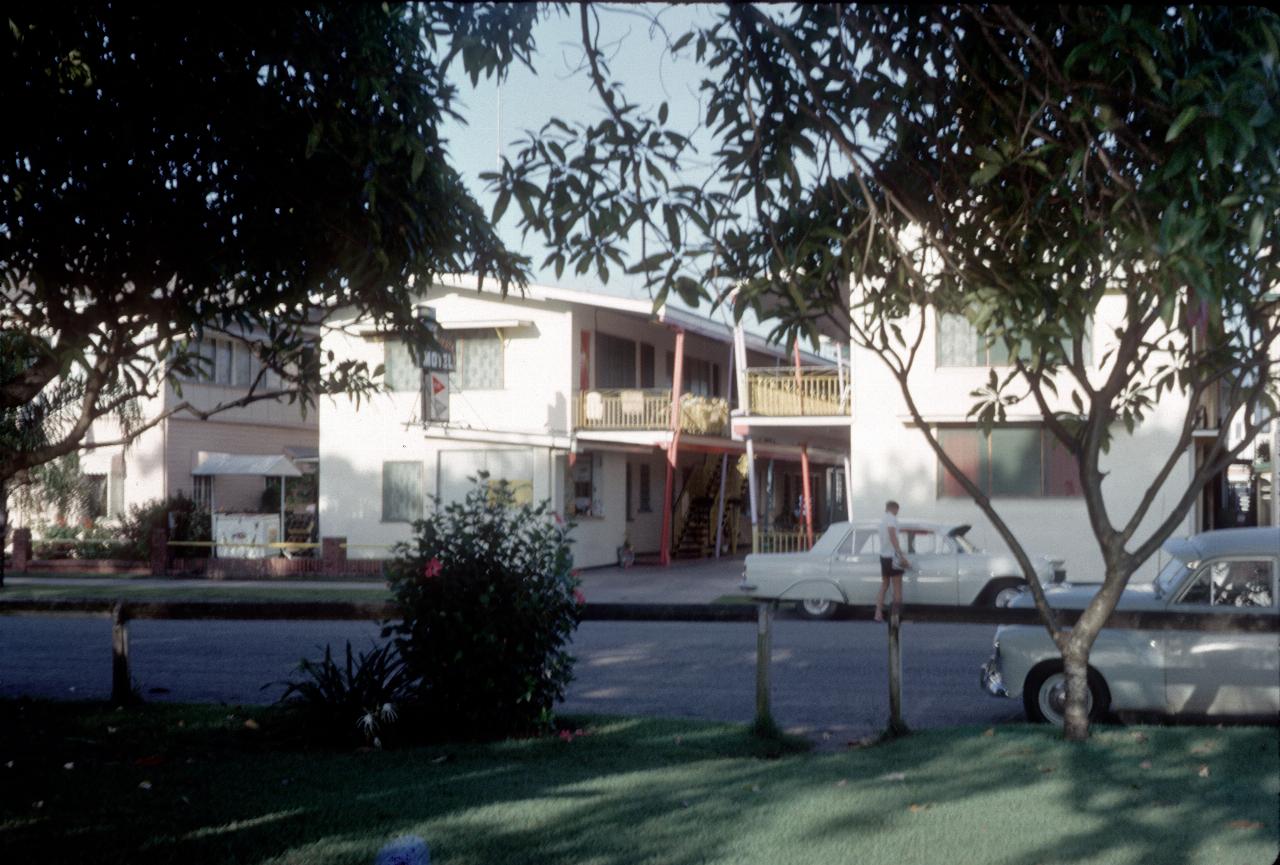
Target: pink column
(673, 451)
(808, 494)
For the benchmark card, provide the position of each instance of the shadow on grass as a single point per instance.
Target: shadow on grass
(629, 791)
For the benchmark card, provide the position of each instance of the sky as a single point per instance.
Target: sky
(497, 116)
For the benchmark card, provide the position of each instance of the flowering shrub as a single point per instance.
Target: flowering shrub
(487, 601)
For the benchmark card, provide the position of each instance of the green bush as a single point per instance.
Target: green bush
(108, 543)
(488, 601)
(52, 534)
(190, 523)
(360, 701)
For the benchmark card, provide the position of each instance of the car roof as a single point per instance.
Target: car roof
(924, 525)
(1225, 542)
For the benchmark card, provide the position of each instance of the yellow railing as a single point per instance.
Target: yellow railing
(781, 541)
(648, 409)
(782, 392)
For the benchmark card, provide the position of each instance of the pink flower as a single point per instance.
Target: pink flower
(579, 597)
(566, 736)
(432, 569)
(559, 520)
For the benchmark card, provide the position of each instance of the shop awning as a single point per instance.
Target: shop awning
(271, 465)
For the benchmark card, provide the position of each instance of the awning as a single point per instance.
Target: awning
(302, 453)
(271, 465)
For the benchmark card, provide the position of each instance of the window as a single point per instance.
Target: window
(861, 542)
(1025, 461)
(221, 361)
(699, 377)
(959, 344)
(479, 359)
(243, 373)
(630, 514)
(399, 370)
(584, 489)
(401, 492)
(615, 361)
(202, 490)
(513, 465)
(1233, 583)
(646, 365)
(646, 490)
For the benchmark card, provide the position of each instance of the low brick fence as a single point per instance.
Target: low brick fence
(168, 561)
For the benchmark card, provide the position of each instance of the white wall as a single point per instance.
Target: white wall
(892, 460)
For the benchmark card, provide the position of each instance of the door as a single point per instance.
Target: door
(856, 565)
(1210, 673)
(931, 579)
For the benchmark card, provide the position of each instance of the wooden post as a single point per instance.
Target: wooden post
(764, 654)
(121, 684)
(897, 726)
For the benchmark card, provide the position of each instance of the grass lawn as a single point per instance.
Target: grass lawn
(194, 590)
(193, 784)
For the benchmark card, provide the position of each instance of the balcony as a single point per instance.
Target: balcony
(648, 409)
(807, 392)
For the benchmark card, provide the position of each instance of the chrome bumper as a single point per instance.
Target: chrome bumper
(990, 678)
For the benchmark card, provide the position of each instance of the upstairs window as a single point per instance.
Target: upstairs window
(1013, 461)
(960, 345)
(479, 360)
(615, 362)
(399, 370)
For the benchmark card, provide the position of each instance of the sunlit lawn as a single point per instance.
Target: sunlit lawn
(82, 783)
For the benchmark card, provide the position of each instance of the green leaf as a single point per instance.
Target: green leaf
(419, 163)
(985, 174)
(1184, 120)
(662, 113)
(1256, 226)
(673, 225)
(500, 206)
(1149, 66)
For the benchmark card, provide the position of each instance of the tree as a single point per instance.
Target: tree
(1012, 167)
(250, 173)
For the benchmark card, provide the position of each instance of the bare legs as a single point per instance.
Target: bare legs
(897, 595)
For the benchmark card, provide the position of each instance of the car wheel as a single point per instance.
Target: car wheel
(999, 593)
(1045, 695)
(816, 608)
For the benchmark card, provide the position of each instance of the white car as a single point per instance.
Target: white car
(1191, 672)
(843, 567)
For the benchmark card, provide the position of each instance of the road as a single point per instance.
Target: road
(829, 678)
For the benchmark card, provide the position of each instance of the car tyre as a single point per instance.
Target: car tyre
(1045, 692)
(1000, 593)
(816, 608)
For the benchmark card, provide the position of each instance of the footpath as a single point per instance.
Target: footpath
(690, 582)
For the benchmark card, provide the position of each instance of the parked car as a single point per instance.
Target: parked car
(843, 567)
(1175, 672)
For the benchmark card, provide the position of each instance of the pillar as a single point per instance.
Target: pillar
(21, 549)
(333, 557)
(673, 451)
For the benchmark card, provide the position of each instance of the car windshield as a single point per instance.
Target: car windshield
(1170, 575)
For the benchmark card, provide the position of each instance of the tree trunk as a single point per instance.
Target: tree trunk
(1075, 661)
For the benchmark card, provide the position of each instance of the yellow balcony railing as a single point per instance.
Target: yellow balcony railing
(648, 409)
(781, 541)
(784, 392)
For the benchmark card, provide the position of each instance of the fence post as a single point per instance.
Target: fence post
(21, 549)
(121, 683)
(764, 724)
(333, 557)
(897, 726)
(159, 552)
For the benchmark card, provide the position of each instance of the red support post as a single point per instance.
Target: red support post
(808, 493)
(673, 451)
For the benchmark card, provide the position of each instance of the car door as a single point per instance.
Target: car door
(1209, 673)
(856, 565)
(932, 576)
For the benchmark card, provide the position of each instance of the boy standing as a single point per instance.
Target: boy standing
(892, 560)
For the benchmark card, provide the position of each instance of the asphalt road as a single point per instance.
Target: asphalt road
(829, 678)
